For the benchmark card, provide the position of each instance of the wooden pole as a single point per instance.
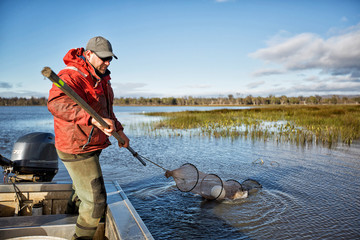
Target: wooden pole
(47, 72)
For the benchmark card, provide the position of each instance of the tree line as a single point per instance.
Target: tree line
(16, 101)
(202, 101)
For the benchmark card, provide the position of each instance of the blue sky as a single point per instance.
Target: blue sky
(200, 48)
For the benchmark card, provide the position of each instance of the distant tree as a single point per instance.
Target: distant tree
(249, 100)
(274, 100)
(357, 100)
(182, 101)
(345, 100)
(267, 100)
(260, 101)
(312, 100)
(294, 100)
(334, 99)
(284, 100)
(302, 100)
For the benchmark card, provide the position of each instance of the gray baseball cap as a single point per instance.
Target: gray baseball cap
(101, 46)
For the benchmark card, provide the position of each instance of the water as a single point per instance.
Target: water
(308, 193)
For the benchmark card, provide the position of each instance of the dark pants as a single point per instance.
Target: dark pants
(89, 188)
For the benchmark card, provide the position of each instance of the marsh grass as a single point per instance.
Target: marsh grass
(325, 124)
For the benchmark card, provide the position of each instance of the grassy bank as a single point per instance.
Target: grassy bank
(326, 124)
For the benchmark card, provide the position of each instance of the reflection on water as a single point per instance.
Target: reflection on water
(310, 193)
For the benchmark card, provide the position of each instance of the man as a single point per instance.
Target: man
(79, 138)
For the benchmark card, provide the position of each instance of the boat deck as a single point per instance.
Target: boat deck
(121, 219)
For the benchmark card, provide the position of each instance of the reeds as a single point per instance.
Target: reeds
(325, 124)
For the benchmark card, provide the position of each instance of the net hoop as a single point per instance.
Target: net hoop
(207, 183)
(178, 183)
(235, 182)
(232, 186)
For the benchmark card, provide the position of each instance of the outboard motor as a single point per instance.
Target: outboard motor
(33, 158)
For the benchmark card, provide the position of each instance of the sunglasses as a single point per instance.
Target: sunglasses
(104, 59)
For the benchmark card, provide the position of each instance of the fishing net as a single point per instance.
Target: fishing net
(210, 186)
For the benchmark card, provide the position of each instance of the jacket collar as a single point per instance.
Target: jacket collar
(75, 57)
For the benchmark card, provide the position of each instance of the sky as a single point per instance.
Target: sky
(181, 48)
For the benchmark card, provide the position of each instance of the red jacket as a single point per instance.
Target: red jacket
(71, 123)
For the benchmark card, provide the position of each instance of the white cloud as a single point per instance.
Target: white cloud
(255, 84)
(266, 72)
(308, 89)
(23, 93)
(337, 55)
(197, 86)
(332, 87)
(128, 89)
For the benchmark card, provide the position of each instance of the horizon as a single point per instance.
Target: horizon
(200, 48)
(218, 97)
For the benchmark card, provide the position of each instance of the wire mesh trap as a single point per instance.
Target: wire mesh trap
(210, 186)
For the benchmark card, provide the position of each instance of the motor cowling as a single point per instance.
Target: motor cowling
(35, 154)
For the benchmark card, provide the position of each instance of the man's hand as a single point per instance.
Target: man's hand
(107, 131)
(125, 138)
